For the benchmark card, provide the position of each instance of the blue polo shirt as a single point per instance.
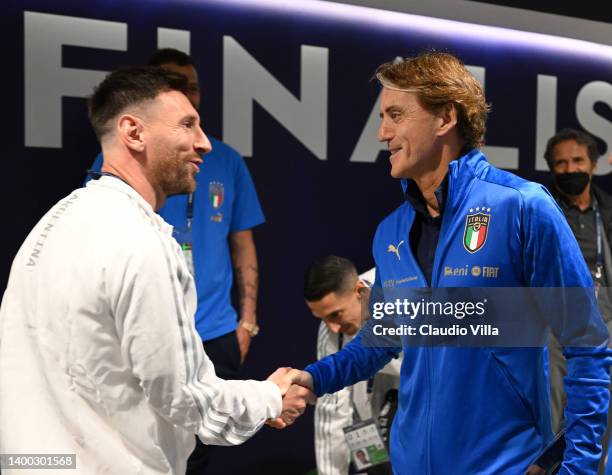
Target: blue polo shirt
(225, 201)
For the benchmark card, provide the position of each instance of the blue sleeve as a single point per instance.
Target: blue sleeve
(355, 362)
(552, 258)
(95, 167)
(246, 211)
(351, 364)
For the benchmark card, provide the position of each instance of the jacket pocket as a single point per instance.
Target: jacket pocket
(511, 389)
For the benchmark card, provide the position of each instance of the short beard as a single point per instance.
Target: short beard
(173, 176)
(178, 186)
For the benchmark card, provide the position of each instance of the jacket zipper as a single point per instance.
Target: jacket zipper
(427, 350)
(442, 244)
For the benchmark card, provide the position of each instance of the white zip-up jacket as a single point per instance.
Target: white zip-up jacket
(335, 411)
(99, 355)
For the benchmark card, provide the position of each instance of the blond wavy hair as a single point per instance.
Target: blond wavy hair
(439, 79)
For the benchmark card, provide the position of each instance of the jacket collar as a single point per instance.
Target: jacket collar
(461, 174)
(122, 187)
(414, 196)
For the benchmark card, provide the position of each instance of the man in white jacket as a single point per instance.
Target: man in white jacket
(337, 296)
(99, 356)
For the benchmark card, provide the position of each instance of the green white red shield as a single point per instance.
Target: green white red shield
(476, 230)
(215, 192)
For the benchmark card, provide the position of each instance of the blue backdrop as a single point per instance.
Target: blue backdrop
(316, 199)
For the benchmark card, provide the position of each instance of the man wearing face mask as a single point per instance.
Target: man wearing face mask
(572, 157)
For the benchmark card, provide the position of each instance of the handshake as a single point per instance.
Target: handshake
(296, 388)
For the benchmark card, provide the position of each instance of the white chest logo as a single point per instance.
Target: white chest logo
(395, 249)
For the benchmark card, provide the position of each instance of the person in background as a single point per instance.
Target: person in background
(337, 296)
(572, 158)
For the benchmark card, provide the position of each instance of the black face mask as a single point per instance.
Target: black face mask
(572, 183)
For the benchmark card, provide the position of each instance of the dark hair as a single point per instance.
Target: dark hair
(326, 275)
(127, 87)
(581, 138)
(170, 55)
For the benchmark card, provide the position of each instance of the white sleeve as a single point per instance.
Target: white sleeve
(332, 413)
(152, 298)
(368, 277)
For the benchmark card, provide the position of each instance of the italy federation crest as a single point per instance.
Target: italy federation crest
(476, 230)
(215, 191)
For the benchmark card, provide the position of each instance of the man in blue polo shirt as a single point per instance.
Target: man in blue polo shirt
(213, 226)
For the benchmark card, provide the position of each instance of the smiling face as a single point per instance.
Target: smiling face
(175, 142)
(341, 312)
(411, 133)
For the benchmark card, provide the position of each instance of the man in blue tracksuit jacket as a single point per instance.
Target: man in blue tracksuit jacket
(470, 410)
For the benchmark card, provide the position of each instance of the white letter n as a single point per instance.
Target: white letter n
(245, 80)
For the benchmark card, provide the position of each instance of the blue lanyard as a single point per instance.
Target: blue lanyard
(115, 176)
(599, 262)
(599, 265)
(189, 210)
(94, 175)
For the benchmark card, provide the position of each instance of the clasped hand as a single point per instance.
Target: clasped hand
(296, 388)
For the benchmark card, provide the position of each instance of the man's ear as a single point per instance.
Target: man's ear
(129, 130)
(447, 116)
(358, 286)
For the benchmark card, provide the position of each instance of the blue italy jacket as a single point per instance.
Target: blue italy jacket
(484, 410)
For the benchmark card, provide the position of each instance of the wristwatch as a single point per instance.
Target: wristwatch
(251, 327)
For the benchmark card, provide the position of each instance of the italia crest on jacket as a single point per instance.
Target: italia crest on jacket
(476, 229)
